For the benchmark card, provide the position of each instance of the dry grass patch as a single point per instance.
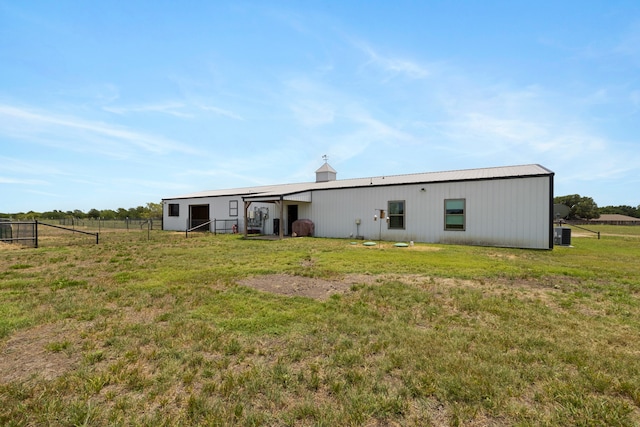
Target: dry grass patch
(45, 351)
(10, 246)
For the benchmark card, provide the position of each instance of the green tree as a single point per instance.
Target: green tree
(622, 210)
(122, 213)
(54, 214)
(77, 213)
(93, 213)
(135, 213)
(580, 207)
(108, 214)
(153, 210)
(27, 216)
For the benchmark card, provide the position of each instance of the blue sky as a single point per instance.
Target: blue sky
(116, 104)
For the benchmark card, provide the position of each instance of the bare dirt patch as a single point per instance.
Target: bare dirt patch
(311, 287)
(47, 350)
(383, 245)
(322, 289)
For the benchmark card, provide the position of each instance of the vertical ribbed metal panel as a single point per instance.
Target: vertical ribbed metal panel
(509, 212)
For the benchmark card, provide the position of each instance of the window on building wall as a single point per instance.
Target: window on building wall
(174, 209)
(396, 214)
(454, 214)
(233, 208)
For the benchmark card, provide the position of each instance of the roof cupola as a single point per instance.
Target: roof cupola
(326, 173)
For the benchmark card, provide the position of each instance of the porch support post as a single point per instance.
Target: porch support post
(281, 218)
(246, 210)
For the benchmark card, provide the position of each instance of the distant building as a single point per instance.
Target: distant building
(509, 206)
(615, 219)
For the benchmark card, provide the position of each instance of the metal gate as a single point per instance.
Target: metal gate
(26, 232)
(22, 232)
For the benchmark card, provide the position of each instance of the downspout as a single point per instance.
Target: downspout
(164, 208)
(281, 217)
(551, 211)
(246, 227)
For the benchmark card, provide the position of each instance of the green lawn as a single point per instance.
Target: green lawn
(154, 329)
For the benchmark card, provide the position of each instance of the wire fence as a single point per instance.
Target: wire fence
(106, 224)
(68, 231)
(216, 226)
(225, 226)
(34, 233)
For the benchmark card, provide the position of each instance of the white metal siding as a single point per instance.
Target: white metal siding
(498, 212)
(508, 212)
(299, 197)
(218, 209)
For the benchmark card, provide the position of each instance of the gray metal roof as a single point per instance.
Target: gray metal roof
(326, 168)
(616, 217)
(275, 191)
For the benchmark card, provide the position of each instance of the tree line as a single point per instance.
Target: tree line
(586, 208)
(149, 211)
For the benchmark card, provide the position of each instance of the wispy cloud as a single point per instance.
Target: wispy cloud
(170, 108)
(629, 44)
(487, 127)
(634, 97)
(220, 172)
(72, 132)
(30, 167)
(540, 132)
(146, 183)
(20, 181)
(220, 111)
(362, 134)
(316, 104)
(392, 65)
(311, 113)
(378, 130)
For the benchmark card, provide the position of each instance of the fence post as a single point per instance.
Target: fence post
(35, 224)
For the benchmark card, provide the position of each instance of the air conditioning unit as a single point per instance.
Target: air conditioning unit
(562, 236)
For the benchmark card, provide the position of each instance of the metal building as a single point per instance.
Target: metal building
(509, 206)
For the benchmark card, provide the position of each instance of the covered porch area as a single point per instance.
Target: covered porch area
(286, 212)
